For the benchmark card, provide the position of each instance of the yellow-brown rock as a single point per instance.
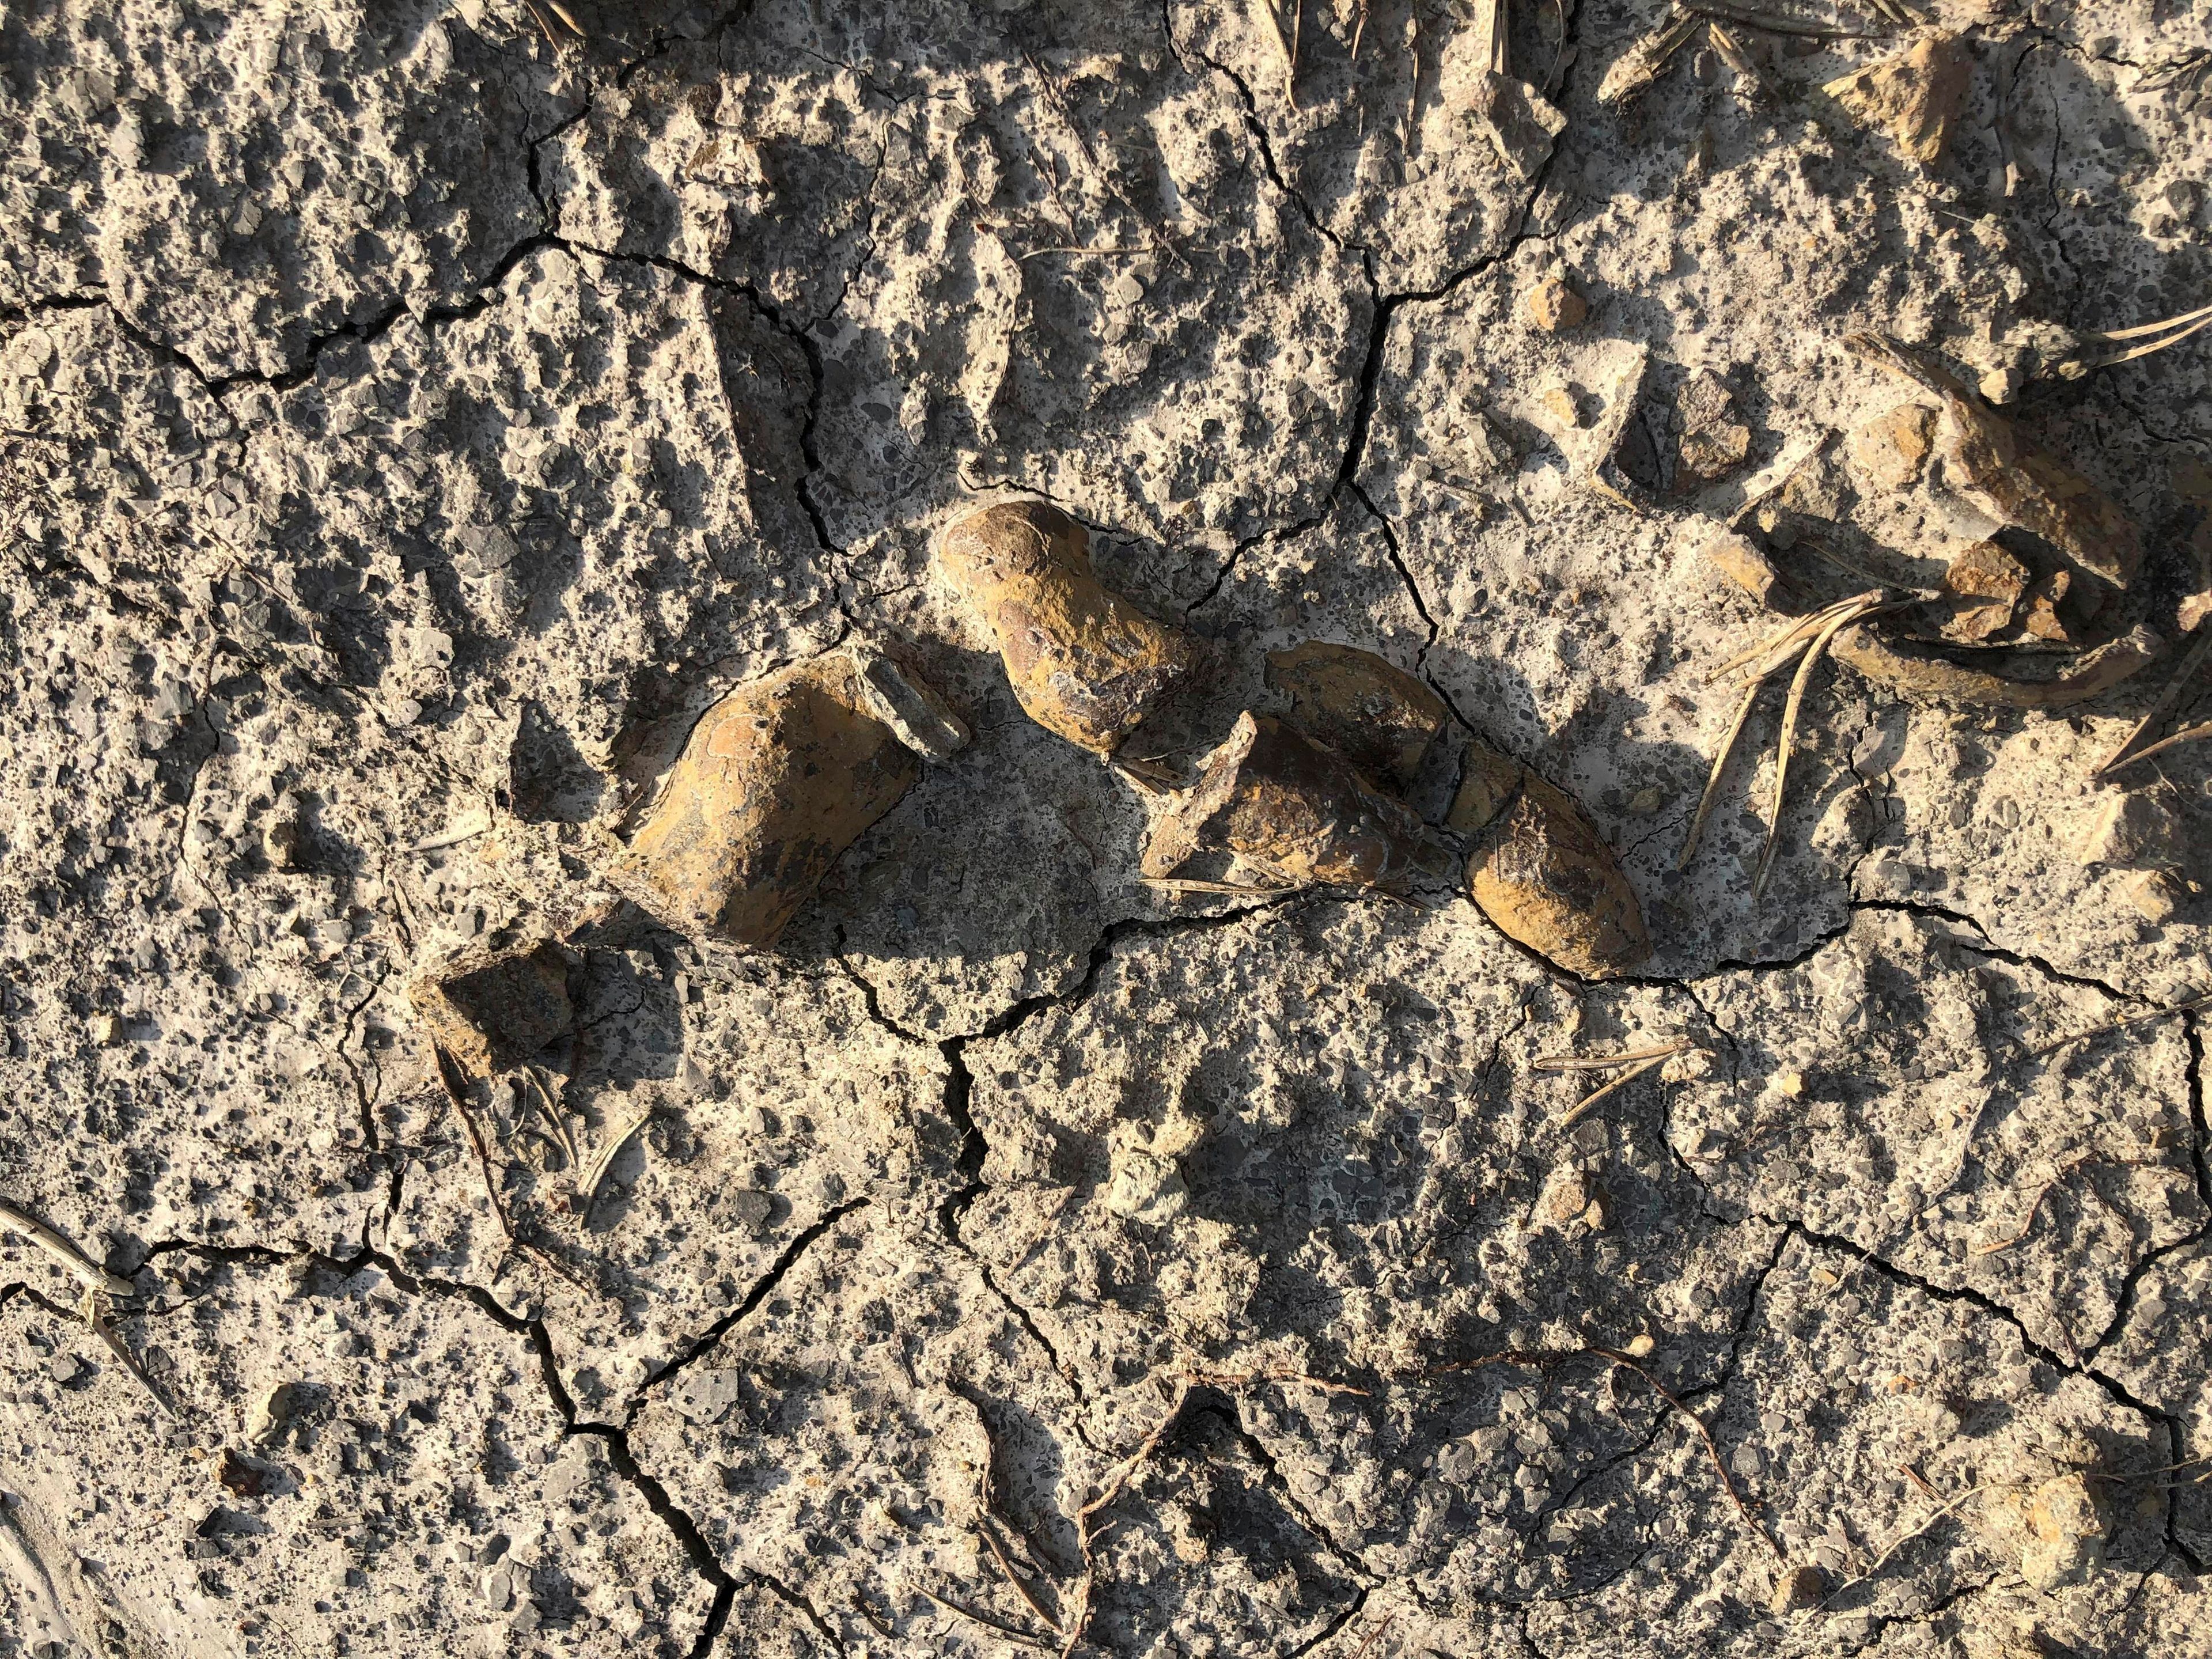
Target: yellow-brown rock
(1085, 664)
(1915, 96)
(1539, 870)
(1983, 584)
(1293, 810)
(491, 1010)
(776, 781)
(1890, 452)
(1371, 712)
(1555, 307)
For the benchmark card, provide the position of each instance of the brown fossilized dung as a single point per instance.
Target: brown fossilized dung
(1539, 870)
(1373, 712)
(1085, 664)
(775, 781)
(1989, 462)
(1291, 808)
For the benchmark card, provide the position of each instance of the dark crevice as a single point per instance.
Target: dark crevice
(762, 1288)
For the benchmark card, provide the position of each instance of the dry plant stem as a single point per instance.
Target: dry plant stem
(1588, 1101)
(97, 1319)
(449, 1075)
(1274, 19)
(1012, 1632)
(2195, 321)
(66, 1254)
(2192, 1003)
(1021, 1587)
(2190, 665)
(2028, 1225)
(1770, 23)
(1179, 884)
(1603, 1062)
(2187, 734)
(1814, 653)
(594, 1177)
(1358, 28)
(1706, 801)
(552, 1113)
(1904, 1539)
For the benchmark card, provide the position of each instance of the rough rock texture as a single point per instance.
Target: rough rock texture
(413, 418)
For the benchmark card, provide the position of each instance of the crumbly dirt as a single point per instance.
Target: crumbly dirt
(413, 415)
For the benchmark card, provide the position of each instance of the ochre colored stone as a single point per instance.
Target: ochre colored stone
(1542, 873)
(1084, 662)
(1890, 452)
(776, 781)
(1915, 96)
(1291, 808)
(491, 1010)
(1555, 307)
(1371, 712)
(1983, 584)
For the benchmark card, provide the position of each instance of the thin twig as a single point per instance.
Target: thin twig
(1588, 1101)
(2026, 1226)
(1812, 660)
(2187, 734)
(1899, 1542)
(88, 1272)
(2190, 1006)
(1605, 1062)
(449, 1074)
(1013, 1632)
(2182, 676)
(1021, 1588)
(1706, 801)
(1712, 1447)
(1266, 9)
(96, 1317)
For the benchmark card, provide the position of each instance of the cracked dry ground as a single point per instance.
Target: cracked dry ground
(413, 414)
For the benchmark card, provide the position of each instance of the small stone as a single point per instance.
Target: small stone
(1712, 440)
(1566, 1198)
(1561, 404)
(2001, 385)
(1890, 452)
(1732, 556)
(1554, 307)
(1797, 1588)
(1915, 96)
(1647, 800)
(751, 1209)
(921, 719)
(498, 1588)
(105, 1030)
(2066, 1533)
(273, 1414)
(1145, 1187)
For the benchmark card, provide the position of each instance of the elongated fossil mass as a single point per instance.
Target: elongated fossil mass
(1085, 664)
(776, 781)
(1291, 807)
(1539, 870)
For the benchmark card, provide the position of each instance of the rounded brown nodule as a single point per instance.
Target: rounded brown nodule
(775, 781)
(1085, 664)
(1542, 873)
(1925, 672)
(1292, 807)
(1369, 710)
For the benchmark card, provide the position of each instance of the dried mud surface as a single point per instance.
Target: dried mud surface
(411, 416)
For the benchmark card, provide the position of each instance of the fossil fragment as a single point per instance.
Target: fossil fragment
(1987, 460)
(1890, 452)
(776, 781)
(917, 716)
(1921, 672)
(1647, 58)
(1291, 808)
(1984, 585)
(1373, 712)
(1914, 96)
(1084, 662)
(2057, 1527)
(1541, 871)
(1712, 441)
(1732, 555)
(493, 1009)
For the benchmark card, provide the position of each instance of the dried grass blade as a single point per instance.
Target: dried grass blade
(2150, 346)
(2156, 711)
(595, 1175)
(1706, 801)
(107, 1333)
(1790, 711)
(2187, 734)
(88, 1273)
(1588, 1101)
(1274, 21)
(2187, 1007)
(1605, 1062)
(1012, 1632)
(2113, 337)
